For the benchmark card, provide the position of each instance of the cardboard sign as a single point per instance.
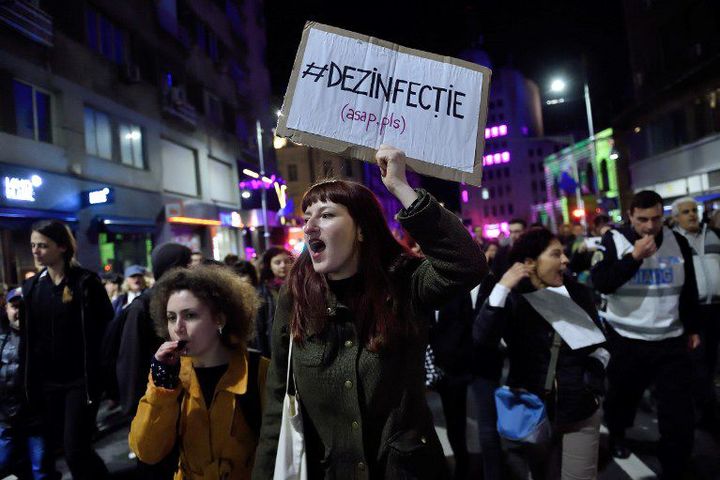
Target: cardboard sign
(350, 93)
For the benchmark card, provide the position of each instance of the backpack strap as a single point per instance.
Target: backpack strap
(249, 403)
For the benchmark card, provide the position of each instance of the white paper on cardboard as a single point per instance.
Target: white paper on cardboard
(366, 94)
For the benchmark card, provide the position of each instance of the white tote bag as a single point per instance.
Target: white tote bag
(291, 461)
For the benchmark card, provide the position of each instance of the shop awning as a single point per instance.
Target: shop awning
(114, 224)
(18, 218)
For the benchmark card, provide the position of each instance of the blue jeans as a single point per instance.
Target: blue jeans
(32, 446)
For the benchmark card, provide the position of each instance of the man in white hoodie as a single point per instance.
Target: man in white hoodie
(705, 244)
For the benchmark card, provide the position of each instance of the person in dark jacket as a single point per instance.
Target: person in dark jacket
(275, 265)
(357, 307)
(23, 446)
(647, 275)
(133, 285)
(705, 244)
(138, 345)
(67, 310)
(523, 309)
(451, 340)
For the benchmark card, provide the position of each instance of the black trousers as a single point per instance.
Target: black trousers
(71, 423)
(634, 366)
(705, 360)
(453, 394)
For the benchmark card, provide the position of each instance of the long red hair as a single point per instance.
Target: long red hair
(379, 286)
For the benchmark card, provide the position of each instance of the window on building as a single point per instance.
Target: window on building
(533, 185)
(499, 102)
(507, 172)
(490, 174)
(292, 172)
(500, 191)
(33, 112)
(486, 210)
(511, 210)
(541, 167)
(491, 105)
(98, 133)
(531, 152)
(131, 145)
(501, 116)
(106, 38)
(604, 176)
(213, 109)
(180, 169)
(502, 209)
(492, 192)
(508, 189)
(532, 168)
(538, 152)
(494, 211)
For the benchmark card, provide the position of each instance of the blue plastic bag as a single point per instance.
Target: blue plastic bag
(521, 416)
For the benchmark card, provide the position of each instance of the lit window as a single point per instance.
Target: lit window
(98, 134)
(33, 112)
(131, 151)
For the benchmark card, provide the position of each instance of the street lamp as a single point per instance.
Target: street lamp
(558, 85)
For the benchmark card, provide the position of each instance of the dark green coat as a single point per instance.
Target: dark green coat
(365, 413)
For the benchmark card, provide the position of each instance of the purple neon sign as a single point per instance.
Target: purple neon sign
(496, 158)
(496, 131)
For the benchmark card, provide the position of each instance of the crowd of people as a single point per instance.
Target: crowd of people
(199, 355)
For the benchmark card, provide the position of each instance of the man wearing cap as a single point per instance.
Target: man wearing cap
(133, 286)
(20, 429)
(705, 244)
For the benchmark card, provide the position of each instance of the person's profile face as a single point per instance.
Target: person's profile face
(12, 309)
(280, 265)
(551, 264)
(196, 259)
(45, 251)
(647, 221)
(136, 283)
(189, 319)
(687, 217)
(333, 239)
(516, 229)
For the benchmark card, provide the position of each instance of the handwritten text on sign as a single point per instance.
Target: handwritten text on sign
(367, 95)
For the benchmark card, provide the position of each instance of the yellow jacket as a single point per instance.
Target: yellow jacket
(214, 445)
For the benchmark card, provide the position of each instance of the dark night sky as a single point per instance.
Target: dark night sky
(539, 38)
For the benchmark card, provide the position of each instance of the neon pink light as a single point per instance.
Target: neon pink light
(257, 184)
(496, 131)
(496, 158)
(493, 230)
(464, 195)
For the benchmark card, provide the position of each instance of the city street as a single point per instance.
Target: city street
(643, 465)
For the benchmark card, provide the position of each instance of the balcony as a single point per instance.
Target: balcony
(28, 19)
(175, 105)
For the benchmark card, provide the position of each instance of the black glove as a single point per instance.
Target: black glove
(163, 375)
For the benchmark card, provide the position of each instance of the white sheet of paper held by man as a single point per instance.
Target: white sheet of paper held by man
(349, 94)
(568, 319)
